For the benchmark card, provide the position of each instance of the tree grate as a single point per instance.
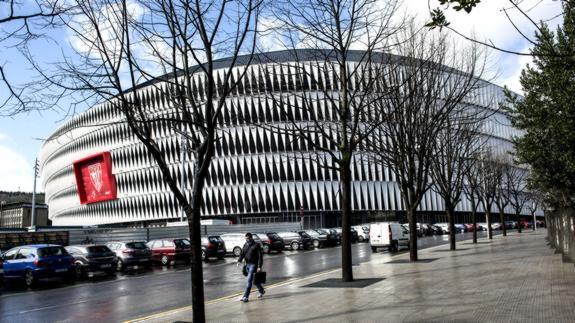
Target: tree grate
(407, 261)
(337, 283)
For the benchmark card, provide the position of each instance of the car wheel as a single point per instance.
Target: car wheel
(79, 271)
(294, 246)
(266, 248)
(373, 249)
(204, 255)
(237, 251)
(316, 244)
(361, 239)
(30, 278)
(165, 260)
(120, 265)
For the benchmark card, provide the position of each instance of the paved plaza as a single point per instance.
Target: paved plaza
(517, 278)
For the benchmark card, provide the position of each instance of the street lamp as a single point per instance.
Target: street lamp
(33, 218)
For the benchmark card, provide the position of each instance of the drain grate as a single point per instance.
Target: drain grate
(337, 283)
(407, 261)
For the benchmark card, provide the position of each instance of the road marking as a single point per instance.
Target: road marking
(189, 307)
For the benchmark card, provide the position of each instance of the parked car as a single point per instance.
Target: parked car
(496, 226)
(468, 227)
(437, 230)
(526, 224)
(388, 235)
(362, 232)
(319, 240)
(331, 239)
(482, 226)
(168, 251)
(1, 269)
(427, 229)
(354, 234)
(295, 241)
(213, 246)
(93, 259)
(131, 255)
(334, 235)
(35, 262)
(272, 242)
(510, 224)
(234, 243)
(444, 227)
(460, 228)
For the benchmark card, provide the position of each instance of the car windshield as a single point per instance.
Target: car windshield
(305, 235)
(98, 249)
(214, 239)
(273, 235)
(182, 243)
(51, 251)
(136, 245)
(312, 233)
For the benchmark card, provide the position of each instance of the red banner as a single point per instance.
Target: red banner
(94, 178)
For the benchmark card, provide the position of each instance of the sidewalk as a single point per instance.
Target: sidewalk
(517, 278)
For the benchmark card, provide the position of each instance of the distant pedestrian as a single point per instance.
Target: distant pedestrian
(254, 258)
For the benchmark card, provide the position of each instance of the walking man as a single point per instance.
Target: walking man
(254, 258)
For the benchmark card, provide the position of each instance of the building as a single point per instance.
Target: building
(19, 215)
(256, 175)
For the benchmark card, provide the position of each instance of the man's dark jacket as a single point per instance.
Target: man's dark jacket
(252, 253)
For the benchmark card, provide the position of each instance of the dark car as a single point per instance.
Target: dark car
(271, 242)
(213, 246)
(318, 240)
(335, 234)
(34, 262)
(93, 259)
(295, 241)
(332, 238)
(131, 255)
(168, 251)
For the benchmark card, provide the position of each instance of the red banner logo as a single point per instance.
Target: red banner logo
(94, 178)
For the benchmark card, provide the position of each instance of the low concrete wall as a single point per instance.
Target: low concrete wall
(561, 232)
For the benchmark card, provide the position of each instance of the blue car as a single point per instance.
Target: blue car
(35, 262)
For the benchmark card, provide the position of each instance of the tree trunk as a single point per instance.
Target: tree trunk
(449, 210)
(411, 217)
(474, 220)
(345, 184)
(197, 276)
(489, 230)
(502, 219)
(518, 222)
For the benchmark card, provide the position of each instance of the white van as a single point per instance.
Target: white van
(388, 235)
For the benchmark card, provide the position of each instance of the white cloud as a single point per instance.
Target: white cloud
(15, 171)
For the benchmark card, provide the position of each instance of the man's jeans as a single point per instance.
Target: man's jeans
(252, 268)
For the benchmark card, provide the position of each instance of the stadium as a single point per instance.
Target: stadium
(94, 172)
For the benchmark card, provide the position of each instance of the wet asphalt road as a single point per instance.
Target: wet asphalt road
(136, 294)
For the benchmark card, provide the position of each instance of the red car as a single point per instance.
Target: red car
(169, 251)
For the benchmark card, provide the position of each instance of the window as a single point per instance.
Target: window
(51, 251)
(10, 254)
(23, 253)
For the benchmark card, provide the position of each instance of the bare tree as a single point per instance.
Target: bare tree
(471, 188)
(502, 191)
(457, 143)
(125, 44)
(489, 178)
(514, 11)
(516, 179)
(337, 85)
(433, 81)
(21, 22)
(536, 200)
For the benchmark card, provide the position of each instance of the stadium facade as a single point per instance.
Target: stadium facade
(256, 176)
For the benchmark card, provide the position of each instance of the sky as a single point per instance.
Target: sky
(21, 136)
